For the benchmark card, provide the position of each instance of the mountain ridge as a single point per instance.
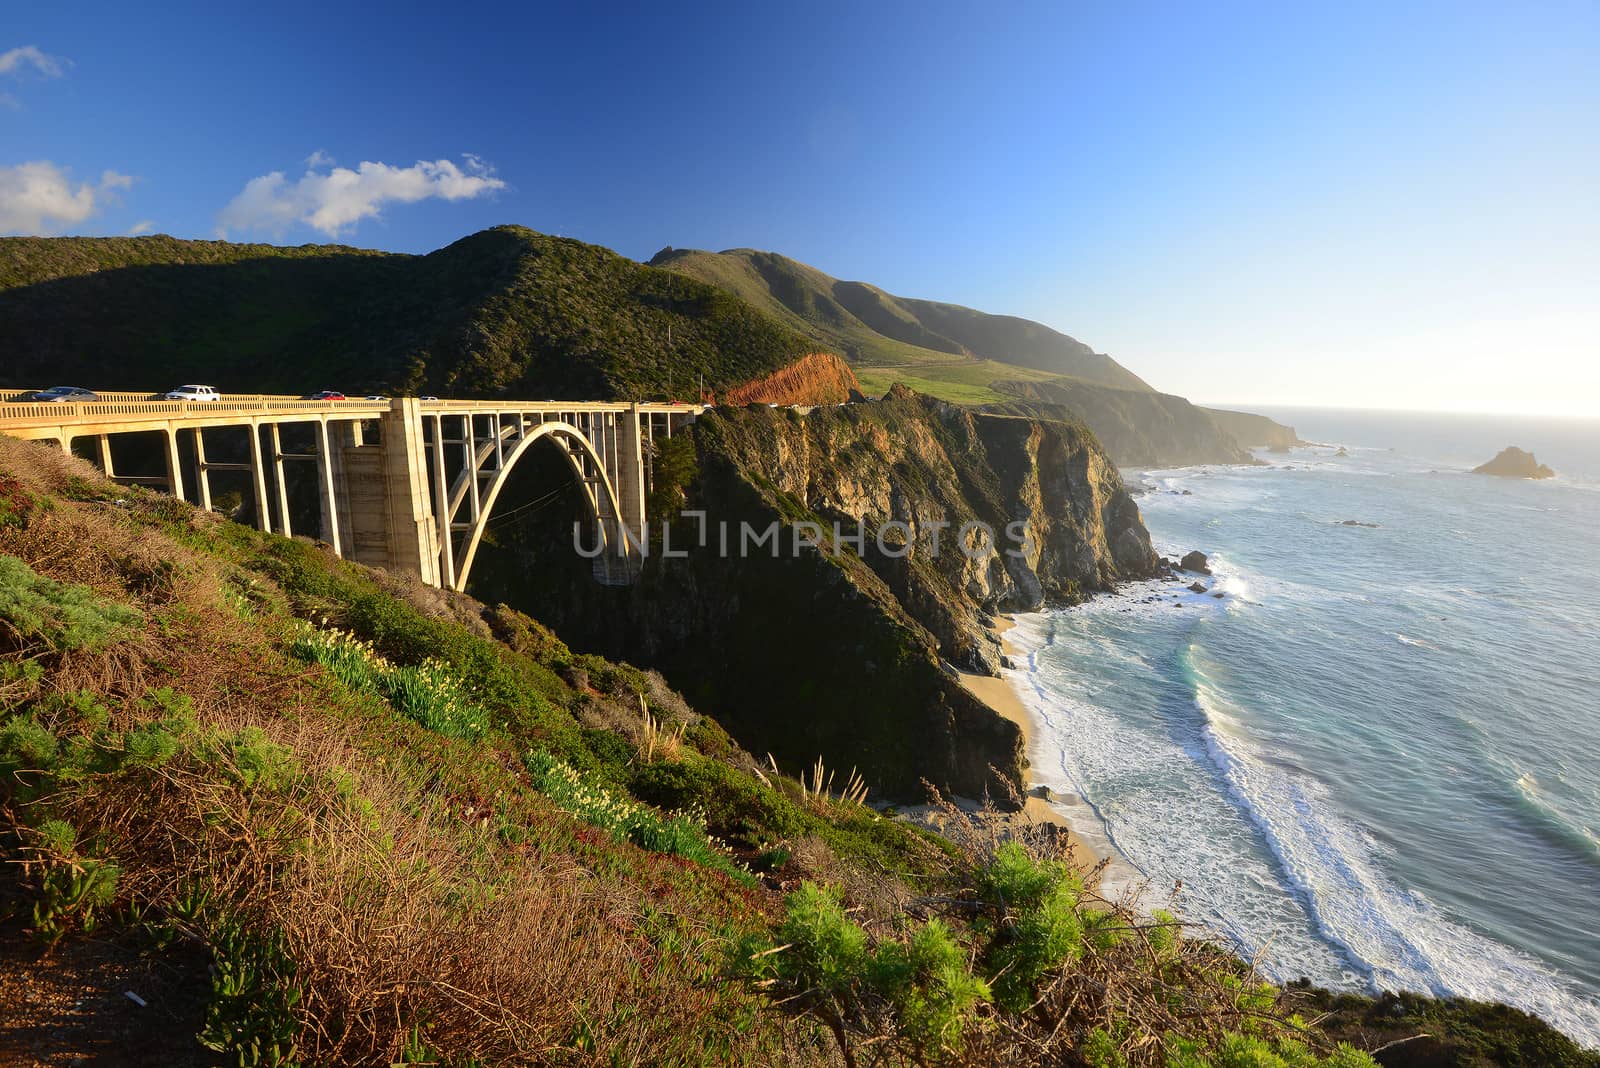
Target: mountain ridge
(907, 330)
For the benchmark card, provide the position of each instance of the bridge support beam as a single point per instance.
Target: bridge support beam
(409, 539)
(103, 442)
(202, 472)
(174, 465)
(629, 477)
(258, 475)
(283, 487)
(326, 491)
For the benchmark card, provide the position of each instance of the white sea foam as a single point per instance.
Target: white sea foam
(1334, 867)
(1265, 858)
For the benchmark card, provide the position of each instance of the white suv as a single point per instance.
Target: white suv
(192, 393)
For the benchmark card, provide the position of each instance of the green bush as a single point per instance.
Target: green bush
(682, 835)
(60, 615)
(73, 887)
(251, 1013)
(429, 692)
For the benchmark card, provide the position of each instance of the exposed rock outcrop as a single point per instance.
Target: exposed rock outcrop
(1512, 462)
(1195, 560)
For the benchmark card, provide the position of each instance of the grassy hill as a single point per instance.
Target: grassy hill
(973, 358)
(870, 327)
(506, 310)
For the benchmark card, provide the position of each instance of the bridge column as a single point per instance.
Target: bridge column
(441, 509)
(628, 478)
(174, 465)
(202, 471)
(258, 475)
(410, 540)
(103, 441)
(325, 489)
(284, 526)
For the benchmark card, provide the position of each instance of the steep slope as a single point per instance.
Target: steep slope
(506, 310)
(870, 326)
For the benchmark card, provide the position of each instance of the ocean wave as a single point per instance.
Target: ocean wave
(1548, 816)
(1335, 869)
(1416, 643)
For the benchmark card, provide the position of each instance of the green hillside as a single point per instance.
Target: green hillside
(870, 327)
(506, 310)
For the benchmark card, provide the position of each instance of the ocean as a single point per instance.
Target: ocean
(1373, 761)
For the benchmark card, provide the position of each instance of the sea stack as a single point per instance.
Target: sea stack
(1514, 463)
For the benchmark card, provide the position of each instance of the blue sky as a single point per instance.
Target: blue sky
(1347, 204)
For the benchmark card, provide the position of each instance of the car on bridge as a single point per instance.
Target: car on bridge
(199, 394)
(325, 394)
(61, 395)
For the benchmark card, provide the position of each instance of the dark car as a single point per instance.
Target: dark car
(62, 394)
(325, 394)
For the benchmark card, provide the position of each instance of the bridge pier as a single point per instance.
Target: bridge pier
(258, 477)
(174, 464)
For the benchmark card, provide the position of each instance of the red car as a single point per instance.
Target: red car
(325, 394)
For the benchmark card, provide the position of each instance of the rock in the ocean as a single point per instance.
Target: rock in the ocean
(1514, 463)
(1342, 452)
(1195, 560)
(1358, 523)
(1218, 594)
(1196, 587)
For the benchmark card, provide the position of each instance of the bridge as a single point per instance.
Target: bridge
(403, 483)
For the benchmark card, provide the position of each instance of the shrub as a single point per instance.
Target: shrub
(682, 835)
(60, 615)
(1062, 977)
(429, 693)
(72, 887)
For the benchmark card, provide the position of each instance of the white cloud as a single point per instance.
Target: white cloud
(17, 60)
(335, 201)
(37, 198)
(143, 226)
(319, 158)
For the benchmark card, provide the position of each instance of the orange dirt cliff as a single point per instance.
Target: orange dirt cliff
(817, 378)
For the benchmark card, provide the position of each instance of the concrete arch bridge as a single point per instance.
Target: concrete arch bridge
(402, 483)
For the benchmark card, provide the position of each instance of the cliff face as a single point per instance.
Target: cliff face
(844, 642)
(1250, 430)
(818, 378)
(1138, 429)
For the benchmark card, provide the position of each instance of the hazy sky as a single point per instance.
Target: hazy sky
(1344, 204)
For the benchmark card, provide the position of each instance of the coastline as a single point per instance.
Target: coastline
(1071, 814)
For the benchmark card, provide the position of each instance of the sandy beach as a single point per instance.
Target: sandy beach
(1089, 841)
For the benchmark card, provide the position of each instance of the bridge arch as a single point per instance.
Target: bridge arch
(586, 465)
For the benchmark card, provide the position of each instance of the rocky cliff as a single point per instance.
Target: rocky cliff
(848, 641)
(1137, 428)
(1250, 430)
(817, 378)
(1512, 462)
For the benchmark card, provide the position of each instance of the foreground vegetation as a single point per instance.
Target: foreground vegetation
(362, 822)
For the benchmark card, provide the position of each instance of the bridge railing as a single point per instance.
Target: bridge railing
(7, 395)
(69, 414)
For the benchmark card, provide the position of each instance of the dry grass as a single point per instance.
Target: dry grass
(419, 888)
